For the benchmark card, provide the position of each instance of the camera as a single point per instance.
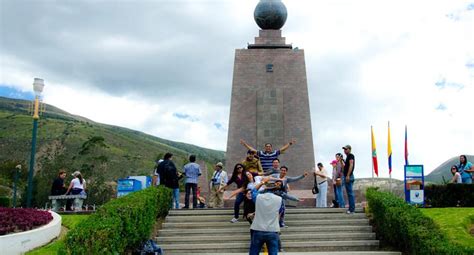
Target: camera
(214, 179)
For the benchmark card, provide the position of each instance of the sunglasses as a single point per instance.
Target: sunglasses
(239, 167)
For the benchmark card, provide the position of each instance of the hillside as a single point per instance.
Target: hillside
(436, 176)
(103, 153)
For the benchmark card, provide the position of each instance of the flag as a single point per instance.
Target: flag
(406, 146)
(374, 154)
(389, 151)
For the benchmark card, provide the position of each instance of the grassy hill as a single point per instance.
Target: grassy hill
(436, 176)
(103, 153)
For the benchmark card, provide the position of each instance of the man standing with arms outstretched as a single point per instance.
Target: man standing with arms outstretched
(268, 155)
(348, 177)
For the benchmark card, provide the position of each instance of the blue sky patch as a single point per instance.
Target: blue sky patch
(10, 92)
(441, 107)
(442, 83)
(185, 116)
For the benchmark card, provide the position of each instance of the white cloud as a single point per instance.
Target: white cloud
(368, 62)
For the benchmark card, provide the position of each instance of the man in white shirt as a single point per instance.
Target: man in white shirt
(265, 226)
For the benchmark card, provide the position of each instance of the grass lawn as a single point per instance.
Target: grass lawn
(454, 222)
(69, 222)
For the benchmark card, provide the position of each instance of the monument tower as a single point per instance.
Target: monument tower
(270, 96)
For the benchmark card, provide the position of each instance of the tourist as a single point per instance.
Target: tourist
(77, 187)
(218, 181)
(252, 164)
(456, 175)
(201, 200)
(238, 177)
(249, 205)
(275, 170)
(348, 177)
(192, 171)
(169, 177)
(57, 189)
(321, 180)
(284, 190)
(333, 164)
(465, 169)
(338, 180)
(268, 155)
(265, 227)
(156, 176)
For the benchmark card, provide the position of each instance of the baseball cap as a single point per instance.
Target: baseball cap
(220, 164)
(347, 147)
(76, 173)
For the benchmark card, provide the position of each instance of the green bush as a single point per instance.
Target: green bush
(450, 195)
(4, 202)
(405, 227)
(119, 224)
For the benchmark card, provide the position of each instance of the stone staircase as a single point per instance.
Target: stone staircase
(310, 231)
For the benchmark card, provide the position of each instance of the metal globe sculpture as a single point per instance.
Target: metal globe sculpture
(270, 14)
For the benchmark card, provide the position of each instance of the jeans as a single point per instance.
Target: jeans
(175, 198)
(188, 187)
(350, 192)
(340, 197)
(321, 197)
(467, 180)
(238, 200)
(282, 214)
(261, 237)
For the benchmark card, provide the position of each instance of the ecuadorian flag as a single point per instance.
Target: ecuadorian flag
(389, 151)
(374, 153)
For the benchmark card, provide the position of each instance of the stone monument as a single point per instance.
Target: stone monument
(270, 96)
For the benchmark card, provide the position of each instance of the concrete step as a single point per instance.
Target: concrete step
(313, 253)
(229, 211)
(245, 237)
(288, 246)
(308, 216)
(245, 229)
(245, 224)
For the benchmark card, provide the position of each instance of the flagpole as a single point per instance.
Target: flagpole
(390, 170)
(371, 149)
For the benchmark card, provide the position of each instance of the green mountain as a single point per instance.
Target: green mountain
(103, 153)
(443, 171)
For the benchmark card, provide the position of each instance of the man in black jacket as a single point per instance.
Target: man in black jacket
(58, 189)
(169, 177)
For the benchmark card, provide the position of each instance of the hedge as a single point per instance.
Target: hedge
(405, 227)
(120, 224)
(450, 195)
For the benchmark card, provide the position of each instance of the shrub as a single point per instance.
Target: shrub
(450, 195)
(22, 219)
(405, 227)
(119, 224)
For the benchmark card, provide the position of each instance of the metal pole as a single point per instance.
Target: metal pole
(15, 183)
(33, 152)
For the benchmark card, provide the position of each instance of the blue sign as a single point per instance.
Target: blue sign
(414, 184)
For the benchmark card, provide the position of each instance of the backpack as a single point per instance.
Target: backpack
(150, 247)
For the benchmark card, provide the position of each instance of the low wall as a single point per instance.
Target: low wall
(19, 243)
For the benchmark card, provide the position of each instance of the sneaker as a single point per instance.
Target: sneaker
(349, 212)
(234, 220)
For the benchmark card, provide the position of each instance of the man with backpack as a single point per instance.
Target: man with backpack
(169, 177)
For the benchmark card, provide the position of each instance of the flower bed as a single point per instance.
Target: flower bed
(14, 220)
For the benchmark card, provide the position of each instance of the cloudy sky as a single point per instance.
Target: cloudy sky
(164, 67)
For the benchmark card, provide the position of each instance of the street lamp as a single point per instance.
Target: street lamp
(38, 86)
(15, 184)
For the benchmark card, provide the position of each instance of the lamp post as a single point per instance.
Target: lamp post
(38, 86)
(15, 184)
